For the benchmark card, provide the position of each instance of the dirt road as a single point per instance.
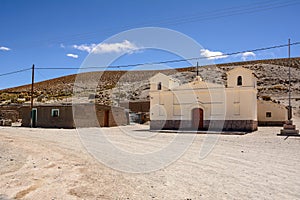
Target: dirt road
(53, 164)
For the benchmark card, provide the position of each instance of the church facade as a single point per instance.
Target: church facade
(201, 105)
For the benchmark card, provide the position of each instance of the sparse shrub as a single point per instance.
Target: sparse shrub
(14, 100)
(266, 98)
(39, 99)
(279, 87)
(20, 101)
(108, 87)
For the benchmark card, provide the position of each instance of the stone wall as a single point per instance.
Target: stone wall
(271, 123)
(227, 125)
(240, 125)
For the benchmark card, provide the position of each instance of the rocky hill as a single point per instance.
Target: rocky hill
(115, 86)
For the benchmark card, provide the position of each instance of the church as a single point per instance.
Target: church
(201, 105)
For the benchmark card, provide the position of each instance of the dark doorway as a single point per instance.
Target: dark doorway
(33, 117)
(197, 118)
(106, 118)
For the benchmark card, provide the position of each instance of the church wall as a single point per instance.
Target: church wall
(233, 108)
(173, 109)
(241, 104)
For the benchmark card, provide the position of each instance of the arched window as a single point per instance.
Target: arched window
(239, 80)
(159, 86)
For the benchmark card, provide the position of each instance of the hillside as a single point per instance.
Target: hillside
(114, 86)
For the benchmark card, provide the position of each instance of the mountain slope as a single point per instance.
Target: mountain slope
(114, 86)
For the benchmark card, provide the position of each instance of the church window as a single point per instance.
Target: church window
(268, 114)
(159, 86)
(239, 80)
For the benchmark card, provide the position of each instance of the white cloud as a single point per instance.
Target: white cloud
(85, 47)
(4, 49)
(212, 55)
(121, 47)
(245, 55)
(72, 55)
(62, 46)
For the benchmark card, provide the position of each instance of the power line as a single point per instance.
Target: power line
(197, 17)
(15, 72)
(151, 63)
(170, 61)
(233, 12)
(214, 14)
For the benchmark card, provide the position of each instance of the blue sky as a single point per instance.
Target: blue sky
(61, 33)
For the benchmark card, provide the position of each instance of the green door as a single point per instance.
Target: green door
(33, 117)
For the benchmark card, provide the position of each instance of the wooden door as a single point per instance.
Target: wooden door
(106, 118)
(197, 118)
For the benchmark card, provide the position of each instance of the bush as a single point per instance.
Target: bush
(266, 98)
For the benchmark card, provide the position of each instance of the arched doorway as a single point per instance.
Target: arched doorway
(197, 118)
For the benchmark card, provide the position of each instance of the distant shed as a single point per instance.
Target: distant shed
(139, 108)
(136, 106)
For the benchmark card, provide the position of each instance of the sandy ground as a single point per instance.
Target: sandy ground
(53, 164)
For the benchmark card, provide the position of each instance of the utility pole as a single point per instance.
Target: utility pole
(289, 63)
(288, 128)
(197, 69)
(31, 103)
(119, 89)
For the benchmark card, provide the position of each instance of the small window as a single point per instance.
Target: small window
(268, 114)
(159, 86)
(239, 80)
(55, 113)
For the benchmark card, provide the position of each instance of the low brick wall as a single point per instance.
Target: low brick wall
(227, 125)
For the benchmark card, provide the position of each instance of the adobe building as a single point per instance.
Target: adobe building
(136, 106)
(200, 105)
(140, 109)
(271, 114)
(69, 116)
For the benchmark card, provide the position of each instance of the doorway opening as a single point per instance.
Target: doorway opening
(106, 118)
(197, 118)
(33, 117)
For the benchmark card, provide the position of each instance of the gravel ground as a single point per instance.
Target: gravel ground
(54, 164)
